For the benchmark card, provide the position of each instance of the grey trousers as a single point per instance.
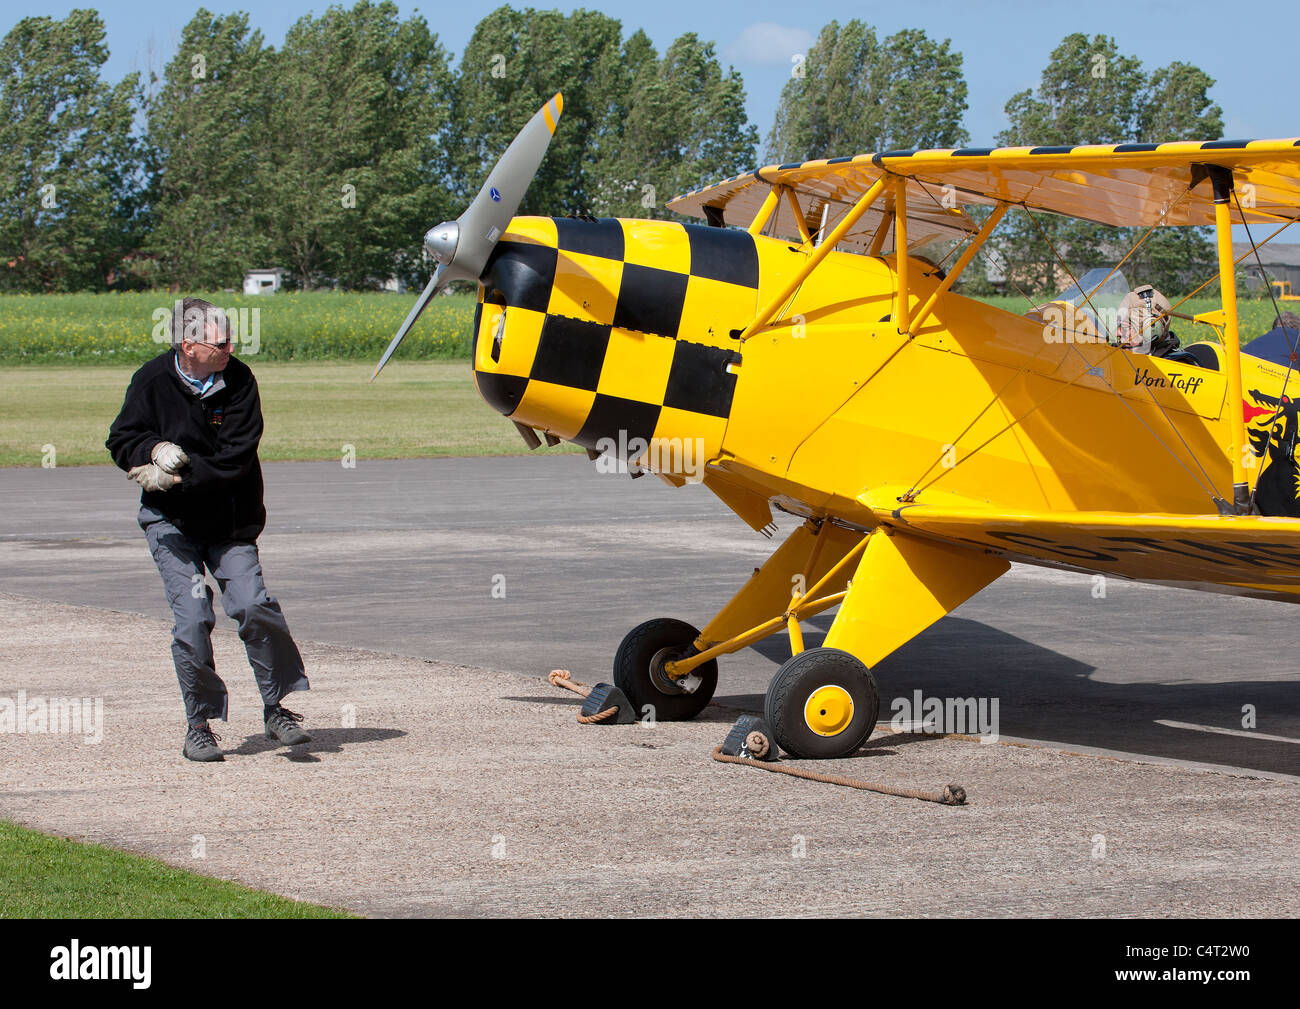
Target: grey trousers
(276, 663)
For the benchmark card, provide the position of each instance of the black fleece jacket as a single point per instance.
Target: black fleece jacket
(219, 497)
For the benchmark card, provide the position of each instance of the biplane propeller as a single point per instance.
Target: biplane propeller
(461, 247)
(806, 345)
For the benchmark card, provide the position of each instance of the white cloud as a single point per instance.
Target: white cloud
(768, 43)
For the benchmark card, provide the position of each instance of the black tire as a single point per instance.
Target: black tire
(634, 675)
(799, 681)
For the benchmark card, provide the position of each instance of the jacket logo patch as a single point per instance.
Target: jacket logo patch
(218, 415)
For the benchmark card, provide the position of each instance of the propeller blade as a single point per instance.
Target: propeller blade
(430, 289)
(490, 212)
(462, 247)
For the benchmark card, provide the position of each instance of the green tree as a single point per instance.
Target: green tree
(926, 95)
(1175, 105)
(1088, 94)
(684, 124)
(514, 62)
(855, 94)
(69, 170)
(351, 179)
(208, 133)
(1091, 93)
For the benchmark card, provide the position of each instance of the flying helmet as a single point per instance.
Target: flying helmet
(1143, 319)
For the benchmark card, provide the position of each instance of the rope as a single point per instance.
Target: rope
(563, 678)
(952, 795)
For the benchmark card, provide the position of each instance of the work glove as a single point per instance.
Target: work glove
(169, 456)
(153, 477)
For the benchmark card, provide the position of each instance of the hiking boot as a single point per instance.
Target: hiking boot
(201, 744)
(282, 725)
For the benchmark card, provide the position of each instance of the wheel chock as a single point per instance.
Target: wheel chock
(750, 737)
(607, 700)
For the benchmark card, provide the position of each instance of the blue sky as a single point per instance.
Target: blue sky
(1248, 49)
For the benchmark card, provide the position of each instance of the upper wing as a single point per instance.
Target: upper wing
(1116, 184)
(1249, 554)
(828, 192)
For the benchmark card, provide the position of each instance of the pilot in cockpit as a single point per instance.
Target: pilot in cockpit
(1142, 326)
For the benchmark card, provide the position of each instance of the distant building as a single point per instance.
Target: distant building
(1280, 262)
(264, 281)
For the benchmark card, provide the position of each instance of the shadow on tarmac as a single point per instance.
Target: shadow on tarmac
(322, 741)
(1045, 695)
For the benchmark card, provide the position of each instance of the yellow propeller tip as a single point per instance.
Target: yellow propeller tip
(552, 110)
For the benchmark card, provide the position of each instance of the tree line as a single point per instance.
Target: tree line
(330, 155)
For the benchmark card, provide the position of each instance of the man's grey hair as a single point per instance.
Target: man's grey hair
(190, 318)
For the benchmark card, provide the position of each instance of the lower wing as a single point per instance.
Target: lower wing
(1241, 554)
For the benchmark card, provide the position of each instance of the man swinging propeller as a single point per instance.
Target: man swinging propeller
(188, 434)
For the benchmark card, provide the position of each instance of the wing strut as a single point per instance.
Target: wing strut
(765, 211)
(821, 252)
(1221, 178)
(903, 316)
(974, 247)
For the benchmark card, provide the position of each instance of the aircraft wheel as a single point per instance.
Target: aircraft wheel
(639, 672)
(822, 703)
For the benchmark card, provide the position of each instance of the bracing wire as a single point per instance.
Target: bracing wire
(1087, 297)
(1158, 405)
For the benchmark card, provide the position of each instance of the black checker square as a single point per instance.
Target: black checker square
(501, 392)
(570, 352)
(699, 381)
(620, 420)
(650, 300)
(520, 275)
(723, 254)
(603, 237)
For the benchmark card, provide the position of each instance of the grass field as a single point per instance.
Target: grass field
(52, 877)
(312, 410)
(317, 325)
(1255, 316)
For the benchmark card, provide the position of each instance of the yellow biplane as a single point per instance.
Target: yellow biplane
(806, 344)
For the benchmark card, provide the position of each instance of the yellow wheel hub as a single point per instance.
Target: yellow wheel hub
(828, 710)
